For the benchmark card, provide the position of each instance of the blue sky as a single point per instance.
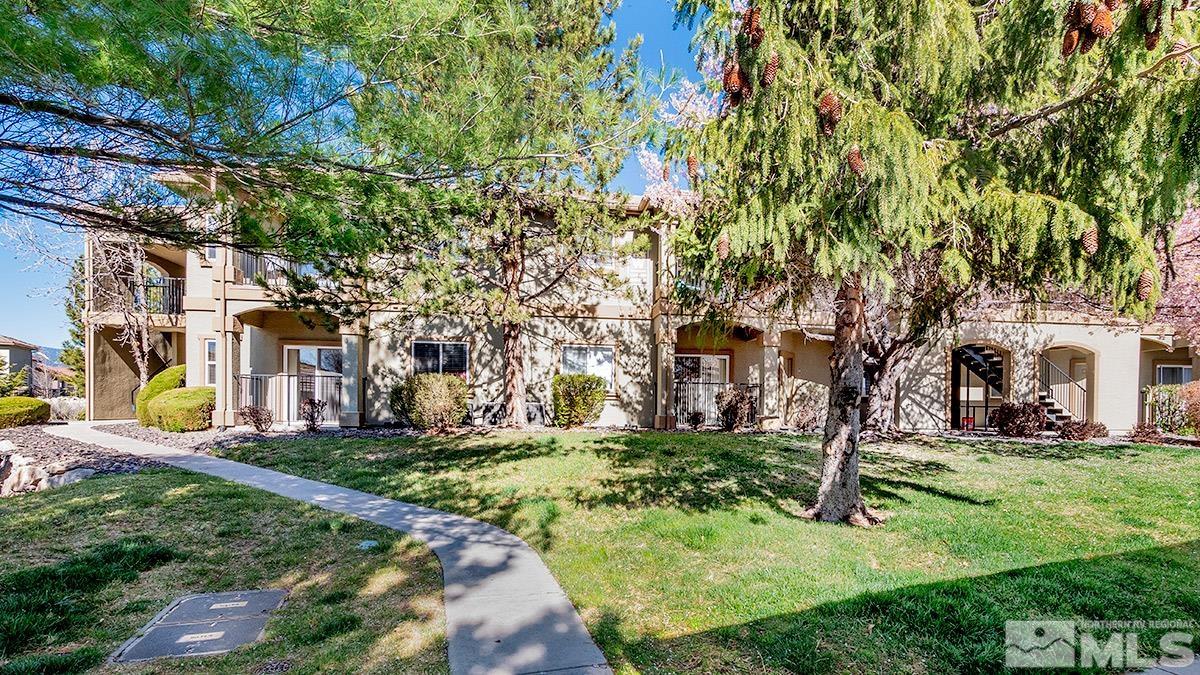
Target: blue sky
(28, 313)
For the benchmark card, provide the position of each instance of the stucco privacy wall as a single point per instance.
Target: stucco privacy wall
(389, 359)
(1113, 382)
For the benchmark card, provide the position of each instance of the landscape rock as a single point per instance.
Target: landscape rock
(31, 459)
(72, 476)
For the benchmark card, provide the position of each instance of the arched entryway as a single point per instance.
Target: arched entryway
(709, 360)
(980, 380)
(1065, 377)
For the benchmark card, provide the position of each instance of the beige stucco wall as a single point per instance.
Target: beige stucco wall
(1114, 375)
(632, 403)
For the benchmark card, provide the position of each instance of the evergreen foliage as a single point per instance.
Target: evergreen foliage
(171, 378)
(75, 305)
(578, 399)
(947, 136)
(18, 411)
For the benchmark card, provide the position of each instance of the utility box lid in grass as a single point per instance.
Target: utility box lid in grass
(203, 625)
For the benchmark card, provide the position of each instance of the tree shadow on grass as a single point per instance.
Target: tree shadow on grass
(1063, 451)
(705, 472)
(950, 626)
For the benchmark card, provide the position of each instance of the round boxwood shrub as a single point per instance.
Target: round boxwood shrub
(17, 411)
(430, 401)
(171, 378)
(184, 409)
(578, 399)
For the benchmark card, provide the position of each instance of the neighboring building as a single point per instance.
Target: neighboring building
(663, 368)
(17, 354)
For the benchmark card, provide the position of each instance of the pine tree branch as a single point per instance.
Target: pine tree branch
(1098, 86)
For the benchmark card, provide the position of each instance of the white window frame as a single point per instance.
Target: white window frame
(210, 382)
(562, 358)
(412, 354)
(1158, 371)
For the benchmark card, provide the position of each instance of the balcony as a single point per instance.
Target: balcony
(254, 269)
(163, 295)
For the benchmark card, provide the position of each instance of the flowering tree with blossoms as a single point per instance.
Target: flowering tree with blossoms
(1009, 148)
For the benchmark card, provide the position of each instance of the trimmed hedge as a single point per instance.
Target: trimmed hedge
(17, 411)
(171, 378)
(578, 399)
(430, 401)
(185, 409)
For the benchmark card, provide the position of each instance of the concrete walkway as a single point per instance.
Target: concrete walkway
(505, 613)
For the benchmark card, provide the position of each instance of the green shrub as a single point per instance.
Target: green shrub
(171, 378)
(1168, 406)
(186, 409)
(430, 401)
(17, 411)
(1019, 420)
(578, 399)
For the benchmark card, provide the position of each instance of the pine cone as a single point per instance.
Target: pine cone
(856, 163)
(1087, 40)
(1145, 6)
(1071, 18)
(1070, 42)
(1152, 39)
(770, 71)
(1087, 13)
(723, 247)
(747, 86)
(1145, 287)
(1102, 24)
(693, 165)
(1091, 241)
(666, 172)
(733, 78)
(830, 110)
(1112, 5)
(752, 26)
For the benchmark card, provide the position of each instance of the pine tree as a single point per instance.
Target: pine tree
(983, 147)
(507, 239)
(72, 355)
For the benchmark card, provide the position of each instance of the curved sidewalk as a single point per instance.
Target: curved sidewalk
(505, 612)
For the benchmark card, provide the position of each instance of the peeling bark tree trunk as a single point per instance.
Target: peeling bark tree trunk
(514, 375)
(839, 498)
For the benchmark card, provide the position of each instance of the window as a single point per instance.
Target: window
(210, 362)
(440, 357)
(589, 360)
(210, 250)
(1174, 374)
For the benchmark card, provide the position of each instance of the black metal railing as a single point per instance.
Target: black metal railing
(1069, 394)
(159, 296)
(701, 397)
(283, 394)
(258, 268)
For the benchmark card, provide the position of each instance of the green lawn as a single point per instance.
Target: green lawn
(83, 567)
(684, 553)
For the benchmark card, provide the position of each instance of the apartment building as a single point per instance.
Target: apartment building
(664, 368)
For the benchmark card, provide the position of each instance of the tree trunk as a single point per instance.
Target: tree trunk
(879, 413)
(839, 498)
(514, 376)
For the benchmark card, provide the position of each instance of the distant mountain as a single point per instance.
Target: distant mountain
(52, 355)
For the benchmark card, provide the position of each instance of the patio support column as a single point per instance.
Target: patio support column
(229, 366)
(664, 382)
(354, 368)
(769, 418)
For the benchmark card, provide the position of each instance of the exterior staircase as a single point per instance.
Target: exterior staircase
(1063, 398)
(985, 363)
